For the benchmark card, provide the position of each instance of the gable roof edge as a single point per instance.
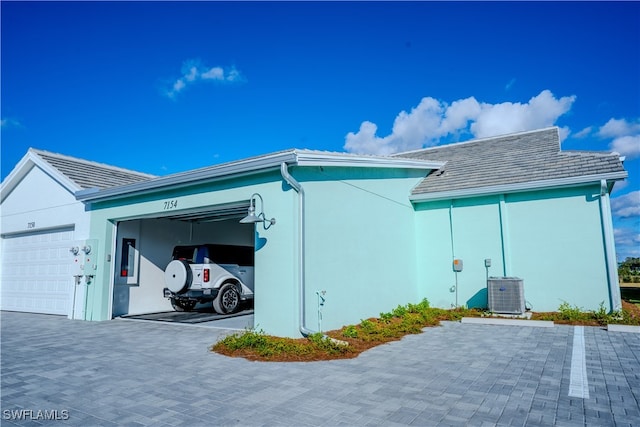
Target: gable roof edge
(25, 165)
(518, 187)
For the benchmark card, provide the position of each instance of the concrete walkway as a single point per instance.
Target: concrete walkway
(125, 373)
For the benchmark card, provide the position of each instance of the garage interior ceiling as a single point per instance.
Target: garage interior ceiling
(212, 213)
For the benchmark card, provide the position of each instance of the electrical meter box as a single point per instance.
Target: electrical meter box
(77, 266)
(90, 252)
(457, 265)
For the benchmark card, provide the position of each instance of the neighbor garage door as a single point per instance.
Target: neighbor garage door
(36, 273)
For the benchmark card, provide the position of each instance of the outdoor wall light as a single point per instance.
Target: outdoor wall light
(252, 218)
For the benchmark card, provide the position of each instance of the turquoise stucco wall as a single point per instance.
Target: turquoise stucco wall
(556, 244)
(359, 243)
(476, 237)
(551, 239)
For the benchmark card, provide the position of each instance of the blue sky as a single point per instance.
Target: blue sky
(164, 87)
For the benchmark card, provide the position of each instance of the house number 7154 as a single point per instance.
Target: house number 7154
(170, 204)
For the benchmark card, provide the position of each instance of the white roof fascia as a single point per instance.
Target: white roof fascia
(209, 174)
(18, 172)
(23, 167)
(517, 187)
(348, 160)
(253, 166)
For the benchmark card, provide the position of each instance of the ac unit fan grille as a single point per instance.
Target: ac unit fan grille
(506, 295)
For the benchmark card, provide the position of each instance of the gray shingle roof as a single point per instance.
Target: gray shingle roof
(509, 159)
(87, 174)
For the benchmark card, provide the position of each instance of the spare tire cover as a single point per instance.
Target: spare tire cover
(177, 275)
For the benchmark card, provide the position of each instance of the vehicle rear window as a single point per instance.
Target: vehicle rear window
(219, 254)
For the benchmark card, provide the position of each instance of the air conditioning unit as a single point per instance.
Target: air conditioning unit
(506, 295)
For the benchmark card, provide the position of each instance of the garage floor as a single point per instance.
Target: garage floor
(203, 315)
(187, 317)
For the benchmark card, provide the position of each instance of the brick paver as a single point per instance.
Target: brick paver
(125, 373)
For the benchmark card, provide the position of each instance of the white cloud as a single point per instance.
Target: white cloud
(193, 71)
(9, 122)
(618, 127)
(432, 120)
(627, 205)
(510, 84)
(178, 85)
(424, 125)
(625, 134)
(627, 242)
(541, 111)
(628, 146)
(583, 133)
(215, 73)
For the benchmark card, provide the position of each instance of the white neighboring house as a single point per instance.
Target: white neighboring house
(44, 229)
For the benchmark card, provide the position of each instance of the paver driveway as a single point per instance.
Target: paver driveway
(125, 373)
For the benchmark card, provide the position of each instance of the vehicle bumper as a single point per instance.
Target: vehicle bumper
(206, 294)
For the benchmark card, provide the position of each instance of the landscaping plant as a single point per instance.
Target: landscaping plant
(351, 340)
(344, 343)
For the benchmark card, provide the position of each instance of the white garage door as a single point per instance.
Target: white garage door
(36, 274)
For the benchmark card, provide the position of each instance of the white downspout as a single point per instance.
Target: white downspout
(301, 256)
(609, 247)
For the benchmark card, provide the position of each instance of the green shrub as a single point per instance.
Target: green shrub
(386, 317)
(572, 314)
(367, 326)
(261, 344)
(576, 315)
(248, 339)
(601, 315)
(399, 311)
(350, 332)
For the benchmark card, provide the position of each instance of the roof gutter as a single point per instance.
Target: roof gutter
(301, 254)
(249, 167)
(224, 171)
(517, 187)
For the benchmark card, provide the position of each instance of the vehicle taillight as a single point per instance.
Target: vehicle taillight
(205, 275)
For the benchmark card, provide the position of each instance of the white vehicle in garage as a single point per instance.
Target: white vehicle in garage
(222, 274)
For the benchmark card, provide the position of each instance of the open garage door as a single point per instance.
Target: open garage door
(224, 212)
(145, 246)
(36, 273)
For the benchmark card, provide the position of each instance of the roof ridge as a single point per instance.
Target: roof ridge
(588, 153)
(340, 153)
(479, 140)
